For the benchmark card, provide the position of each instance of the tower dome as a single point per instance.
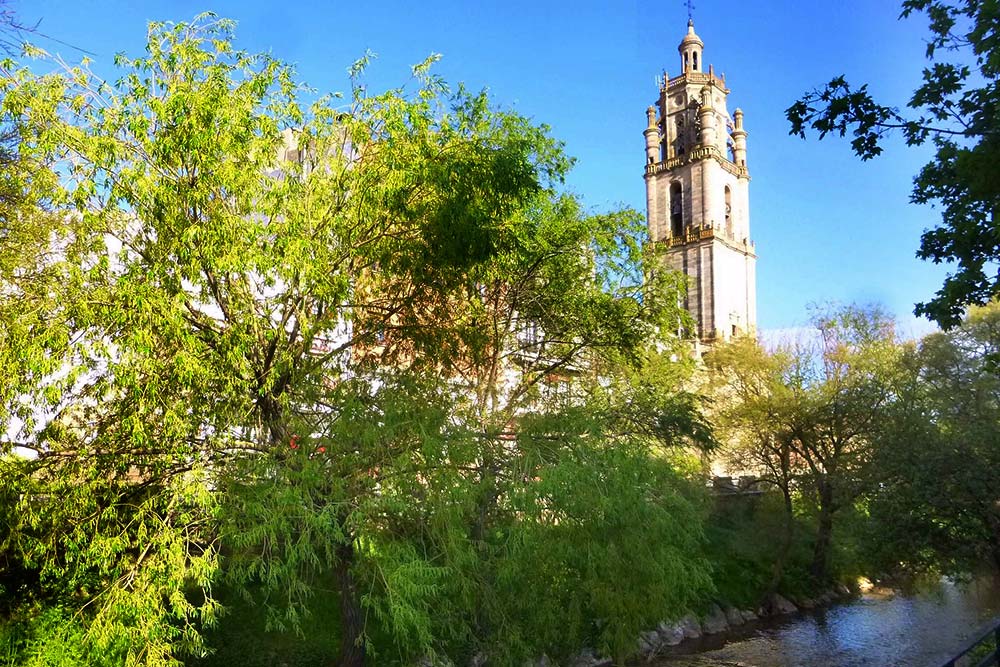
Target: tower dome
(690, 49)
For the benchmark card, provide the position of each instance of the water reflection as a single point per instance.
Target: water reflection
(916, 630)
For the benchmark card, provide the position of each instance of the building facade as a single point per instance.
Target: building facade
(697, 196)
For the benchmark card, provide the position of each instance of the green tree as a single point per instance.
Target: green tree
(608, 544)
(281, 346)
(13, 170)
(937, 505)
(957, 108)
(754, 410)
(813, 412)
(543, 346)
(215, 239)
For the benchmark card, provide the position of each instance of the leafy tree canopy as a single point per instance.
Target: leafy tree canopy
(282, 344)
(936, 506)
(810, 415)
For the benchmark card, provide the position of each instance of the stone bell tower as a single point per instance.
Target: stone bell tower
(697, 201)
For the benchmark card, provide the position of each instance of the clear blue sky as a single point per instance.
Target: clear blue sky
(827, 226)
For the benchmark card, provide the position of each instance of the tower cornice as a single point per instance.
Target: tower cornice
(705, 235)
(695, 79)
(696, 154)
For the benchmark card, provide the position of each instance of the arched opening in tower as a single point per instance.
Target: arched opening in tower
(729, 212)
(676, 211)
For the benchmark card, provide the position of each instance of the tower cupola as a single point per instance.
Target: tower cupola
(690, 49)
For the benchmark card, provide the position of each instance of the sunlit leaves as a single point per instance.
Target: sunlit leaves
(279, 340)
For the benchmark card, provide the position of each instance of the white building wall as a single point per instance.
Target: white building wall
(733, 287)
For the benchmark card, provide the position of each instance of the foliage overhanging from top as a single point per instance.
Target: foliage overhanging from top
(957, 108)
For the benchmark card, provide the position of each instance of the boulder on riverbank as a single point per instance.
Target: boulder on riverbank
(650, 643)
(778, 604)
(690, 626)
(828, 597)
(715, 621)
(671, 634)
(733, 616)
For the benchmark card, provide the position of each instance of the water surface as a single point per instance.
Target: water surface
(914, 630)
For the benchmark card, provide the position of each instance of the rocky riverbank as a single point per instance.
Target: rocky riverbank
(719, 619)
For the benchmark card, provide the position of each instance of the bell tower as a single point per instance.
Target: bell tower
(697, 201)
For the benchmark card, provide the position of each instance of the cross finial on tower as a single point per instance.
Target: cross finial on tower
(690, 6)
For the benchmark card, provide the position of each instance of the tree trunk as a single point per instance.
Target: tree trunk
(778, 569)
(821, 549)
(485, 505)
(993, 526)
(352, 620)
(996, 556)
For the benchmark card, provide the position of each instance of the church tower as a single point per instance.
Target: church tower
(697, 202)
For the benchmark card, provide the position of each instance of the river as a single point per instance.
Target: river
(922, 629)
